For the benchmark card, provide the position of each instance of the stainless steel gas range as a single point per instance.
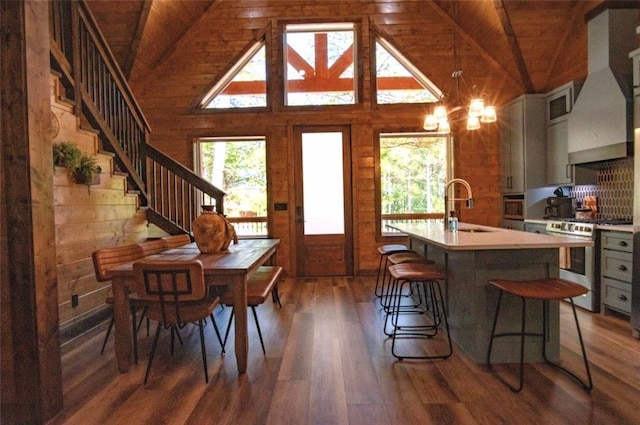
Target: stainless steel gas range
(580, 265)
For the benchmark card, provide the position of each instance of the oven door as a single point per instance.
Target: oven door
(578, 265)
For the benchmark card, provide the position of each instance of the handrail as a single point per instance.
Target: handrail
(92, 78)
(175, 192)
(95, 82)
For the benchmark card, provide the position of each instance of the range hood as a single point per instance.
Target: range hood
(601, 123)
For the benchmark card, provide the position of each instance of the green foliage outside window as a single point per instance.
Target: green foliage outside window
(239, 168)
(412, 174)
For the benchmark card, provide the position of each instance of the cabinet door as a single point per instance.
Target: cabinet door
(535, 228)
(517, 147)
(505, 151)
(558, 168)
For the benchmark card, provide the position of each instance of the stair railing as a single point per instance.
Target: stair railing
(176, 192)
(94, 81)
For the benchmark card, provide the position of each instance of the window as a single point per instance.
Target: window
(320, 64)
(398, 81)
(238, 167)
(244, 85)
(413, 173)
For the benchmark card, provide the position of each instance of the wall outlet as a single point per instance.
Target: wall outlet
(74, 300)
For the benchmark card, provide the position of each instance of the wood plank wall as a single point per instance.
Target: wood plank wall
(219, 37)
(87, 219)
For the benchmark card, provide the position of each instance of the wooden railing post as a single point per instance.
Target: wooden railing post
(75, 49)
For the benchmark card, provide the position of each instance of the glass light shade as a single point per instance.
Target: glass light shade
(476, 106)
(430, 122)
(444, 127)
(440, 112)
(473, 123)
(489, 114)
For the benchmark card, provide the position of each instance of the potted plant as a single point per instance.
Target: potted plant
(87, 171)
(66, 154)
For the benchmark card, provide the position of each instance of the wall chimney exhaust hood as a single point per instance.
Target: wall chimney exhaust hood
(601, 123)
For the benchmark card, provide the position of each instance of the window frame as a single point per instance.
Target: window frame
(357, 58)
(197, 165)
(232, 68)
(380, 236)
(415, 72)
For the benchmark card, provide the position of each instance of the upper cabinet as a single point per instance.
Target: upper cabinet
(635, 59)
(559, 105)
(523, 144)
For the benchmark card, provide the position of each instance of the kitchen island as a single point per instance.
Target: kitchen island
(473, 255)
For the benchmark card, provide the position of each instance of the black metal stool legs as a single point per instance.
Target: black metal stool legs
(435, 308)
(588, 386)
(545, 311)
(522, 338)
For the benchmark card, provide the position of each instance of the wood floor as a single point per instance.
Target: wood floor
(328, 362)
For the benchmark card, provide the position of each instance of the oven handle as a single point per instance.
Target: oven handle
(565, 235)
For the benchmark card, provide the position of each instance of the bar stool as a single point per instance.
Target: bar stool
(551, 289)
(400, 258)
(433, 308)
(385, 251)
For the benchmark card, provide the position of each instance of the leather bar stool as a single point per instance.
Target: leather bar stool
(430, 315)
(400, 258)
(385, 251)
(551, 289)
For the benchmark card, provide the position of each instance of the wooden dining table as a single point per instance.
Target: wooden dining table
(231, 267)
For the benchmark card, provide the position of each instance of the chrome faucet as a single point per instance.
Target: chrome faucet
(447, 209)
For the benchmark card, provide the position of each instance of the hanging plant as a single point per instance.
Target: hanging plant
(87, 171)
(67, 155)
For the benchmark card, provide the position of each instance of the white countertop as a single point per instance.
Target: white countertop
(433, 231)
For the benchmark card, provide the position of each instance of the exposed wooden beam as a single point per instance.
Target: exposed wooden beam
(135, 42)
(297, 62)
(186, 37)
(513, 45)
(469, 39)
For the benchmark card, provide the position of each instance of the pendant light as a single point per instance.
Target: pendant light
(477, 111)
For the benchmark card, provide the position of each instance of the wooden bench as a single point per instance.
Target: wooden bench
(259, 285)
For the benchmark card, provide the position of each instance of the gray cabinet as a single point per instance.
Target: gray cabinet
(513, 224)
(536, 228)
(559, 104)
(522, 127)
(558, 168)
(616, 267)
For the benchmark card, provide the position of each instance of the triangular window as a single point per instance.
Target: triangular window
(398, 81)
(244, 85)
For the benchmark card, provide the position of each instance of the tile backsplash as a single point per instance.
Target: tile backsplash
(614, 189)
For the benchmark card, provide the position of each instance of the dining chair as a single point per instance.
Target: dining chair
(259, 285)
(103, 260)
(175, 241)
(177, 296)
(153, 246)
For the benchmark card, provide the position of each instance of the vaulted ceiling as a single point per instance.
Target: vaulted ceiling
(530, 46)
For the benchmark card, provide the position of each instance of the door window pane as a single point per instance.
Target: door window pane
(322, 177)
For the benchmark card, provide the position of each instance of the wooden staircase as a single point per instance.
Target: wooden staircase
(92, 81)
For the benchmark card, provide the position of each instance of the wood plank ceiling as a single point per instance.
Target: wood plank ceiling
(522, 41)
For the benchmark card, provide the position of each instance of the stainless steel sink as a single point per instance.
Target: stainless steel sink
(475, 230)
